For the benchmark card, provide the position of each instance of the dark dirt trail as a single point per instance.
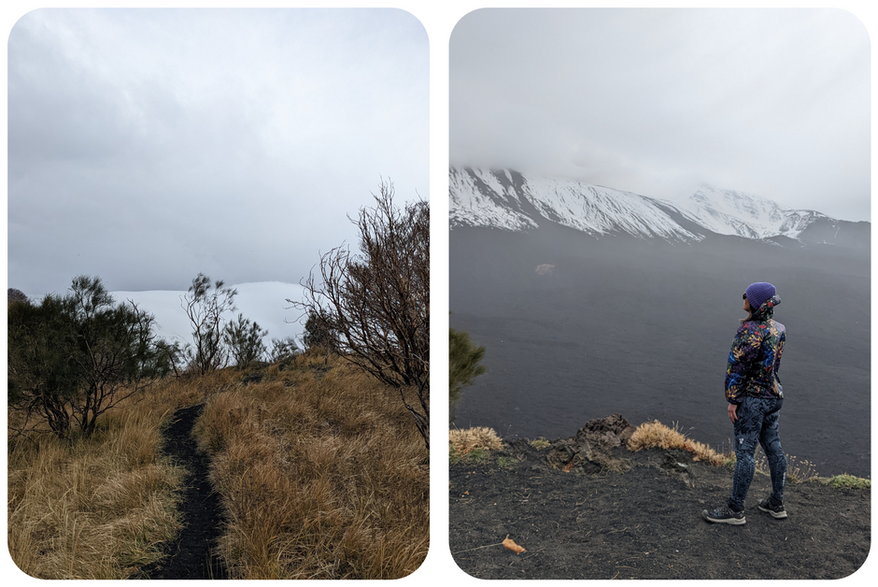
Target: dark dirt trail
(643, 522)
(190, 555)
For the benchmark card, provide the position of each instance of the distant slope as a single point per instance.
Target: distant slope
(577, 327)
(264, 302)
(508, 200)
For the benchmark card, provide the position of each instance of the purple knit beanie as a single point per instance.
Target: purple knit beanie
(760, 292)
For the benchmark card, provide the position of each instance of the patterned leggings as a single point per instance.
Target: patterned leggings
(757, 422)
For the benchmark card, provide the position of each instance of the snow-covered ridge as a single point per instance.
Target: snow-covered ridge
(263, 302)
(508, 200)
(747, 215)
(480, 199)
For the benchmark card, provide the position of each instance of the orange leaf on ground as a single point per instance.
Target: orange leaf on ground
(568, 467)
(511, 545)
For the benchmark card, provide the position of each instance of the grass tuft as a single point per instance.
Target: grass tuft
(845, 481)
(798, 470)
(657, 435)
(464, 442)
(540, 443)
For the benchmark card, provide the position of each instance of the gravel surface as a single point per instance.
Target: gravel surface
(621, 514)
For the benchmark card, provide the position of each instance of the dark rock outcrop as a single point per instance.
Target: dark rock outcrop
(592, 449)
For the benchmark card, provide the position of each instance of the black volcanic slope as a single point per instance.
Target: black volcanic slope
(643, 327)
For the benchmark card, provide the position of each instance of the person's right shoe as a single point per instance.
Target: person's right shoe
(776, 511)
(724, 515)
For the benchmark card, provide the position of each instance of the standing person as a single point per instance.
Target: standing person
(755, 396)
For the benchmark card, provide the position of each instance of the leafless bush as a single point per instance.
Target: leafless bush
(376, 300)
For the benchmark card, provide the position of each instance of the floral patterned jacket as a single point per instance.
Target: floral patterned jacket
(755, 356)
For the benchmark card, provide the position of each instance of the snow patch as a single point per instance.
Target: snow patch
(263, 302)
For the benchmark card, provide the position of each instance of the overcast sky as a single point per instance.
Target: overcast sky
(769, 101)
(146, 146)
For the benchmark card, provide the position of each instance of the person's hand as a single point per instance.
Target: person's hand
(733, 412)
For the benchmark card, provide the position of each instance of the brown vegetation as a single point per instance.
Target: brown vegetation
(93, 508)
(319, 468)
(321, 472)
(376, 302)
(99, 507)
(655, 434)
(465, 441)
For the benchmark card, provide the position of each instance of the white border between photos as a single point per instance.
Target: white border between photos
(438, 19)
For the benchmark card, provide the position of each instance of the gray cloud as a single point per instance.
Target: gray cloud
(148, 145)
(772, 101)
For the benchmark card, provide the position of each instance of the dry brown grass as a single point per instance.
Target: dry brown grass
(655, 434)
(322, 474)
(464, 441)
(92, 508)
(98, 508)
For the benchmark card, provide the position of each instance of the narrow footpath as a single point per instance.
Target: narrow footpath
(190, 555)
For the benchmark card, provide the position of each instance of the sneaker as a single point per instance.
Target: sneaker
(724, 515)
(776, 511)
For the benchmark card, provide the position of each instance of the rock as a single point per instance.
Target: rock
(590, 450)
(677, 463)
(609, 432)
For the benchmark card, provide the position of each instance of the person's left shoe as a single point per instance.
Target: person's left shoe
(724, 515)
(776, 510)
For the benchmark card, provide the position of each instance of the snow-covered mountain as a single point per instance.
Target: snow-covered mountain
(263, 302)
(747, 215)
(508, 200)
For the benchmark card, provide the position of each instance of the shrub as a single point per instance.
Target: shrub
(464, 362)
(320, 331)
(205, 304)
(283, 350)
(377, 301)
(540, 443)
(72, 358)
(846, 481)
(465, 441)
(243, 339)
(15, 295)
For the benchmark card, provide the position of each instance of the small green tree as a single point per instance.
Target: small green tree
(283, 349)
(167, 359)
(243, 339)
(43, 377)
(15, 295)
(72, 358)
(464, 363)
(205, 304)
(319, 331)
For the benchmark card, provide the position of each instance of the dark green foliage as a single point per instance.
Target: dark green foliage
(205, 304)
(243, 339)
(15, 295)
(282, 350)
(72, 358)
(464, 362)
(43, 379)
(320, 331)
(167, 359)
